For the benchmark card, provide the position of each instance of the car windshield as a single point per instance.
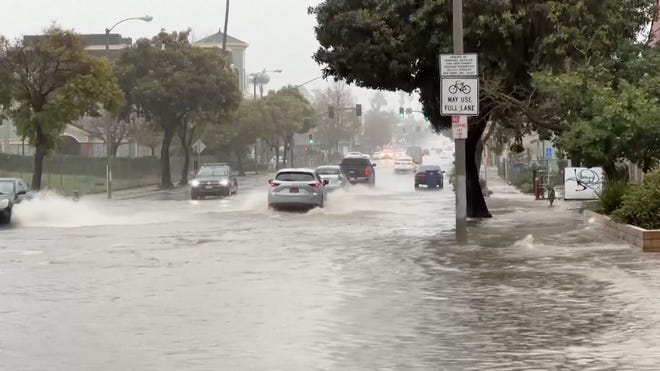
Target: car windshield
(328, 171)
(293, 176)
(6, 186)
(355, 162)
(213, 171)
(429, 168)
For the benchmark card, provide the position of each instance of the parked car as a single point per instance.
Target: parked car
(297, 188)
(430, 176)
(214, 180)
(333, 174)
(404, 164)
(358, 170)
(12, 192)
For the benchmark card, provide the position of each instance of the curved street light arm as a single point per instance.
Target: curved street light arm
(146, 18)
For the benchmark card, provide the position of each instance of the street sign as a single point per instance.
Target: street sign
(460, 96)
(199, 146)
(458, 65)
(548, 153)
(459, 127)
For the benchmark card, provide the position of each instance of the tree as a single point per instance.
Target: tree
(286, 112)
(378, 126)
(378, 101)
(177, 86)
(608, 120)
(246, 126)
(54, 82)
(394, 45)
(144, 133)
(330, 132)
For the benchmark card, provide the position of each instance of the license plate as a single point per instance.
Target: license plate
(293, 190)
(209, 187)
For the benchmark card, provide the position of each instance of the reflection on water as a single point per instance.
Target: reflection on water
(373, 281)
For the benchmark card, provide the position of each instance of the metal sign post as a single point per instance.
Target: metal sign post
(459, 97)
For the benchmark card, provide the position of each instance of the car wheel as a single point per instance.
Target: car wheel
(416, 185)
(6, 219)
(194, 197)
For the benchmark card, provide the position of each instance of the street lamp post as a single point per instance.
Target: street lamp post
(261, 78)
(108, 123)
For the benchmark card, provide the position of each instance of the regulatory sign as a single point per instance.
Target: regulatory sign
(459, 127)
(199, 146)
(548, 153)
(460, 96)
(458, 65)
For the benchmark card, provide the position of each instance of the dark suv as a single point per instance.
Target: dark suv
(214, 180)
(358, 170)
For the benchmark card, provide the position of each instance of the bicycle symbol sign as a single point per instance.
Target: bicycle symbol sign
(460, 96)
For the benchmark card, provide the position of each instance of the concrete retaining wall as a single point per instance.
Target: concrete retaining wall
(648, 240)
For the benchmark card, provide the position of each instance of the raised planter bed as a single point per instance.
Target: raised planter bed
(648, 240)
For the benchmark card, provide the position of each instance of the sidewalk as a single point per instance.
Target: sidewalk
(517, 216)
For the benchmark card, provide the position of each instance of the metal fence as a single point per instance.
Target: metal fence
(87, 175)
(521, 172)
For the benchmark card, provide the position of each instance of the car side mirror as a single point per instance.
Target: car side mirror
(270, 181)
(443, 171)
(373, 165)
(326, 181)
(21, 193)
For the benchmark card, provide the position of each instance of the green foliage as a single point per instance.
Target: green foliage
(51, 82)
(177, 87)
(607, 119)
(611, 197)
(641, 204)
(394, 45)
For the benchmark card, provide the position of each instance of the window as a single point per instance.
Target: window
(6, 186)
(328, 171)
(295, 177)
(429, 168)
(355, 162)
(213, 171)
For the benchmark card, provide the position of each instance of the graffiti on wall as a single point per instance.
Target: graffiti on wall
(581, 183)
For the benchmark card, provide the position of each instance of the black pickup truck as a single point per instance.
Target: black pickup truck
(358, 170)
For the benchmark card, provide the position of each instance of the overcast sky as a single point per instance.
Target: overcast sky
(280, 32)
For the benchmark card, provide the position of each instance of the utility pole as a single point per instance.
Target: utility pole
(224, 36)
(459, 143)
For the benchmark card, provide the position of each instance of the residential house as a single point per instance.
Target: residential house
(236, 51)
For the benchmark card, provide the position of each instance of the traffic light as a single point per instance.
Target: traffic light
(402, 113)
(311, 139)
(358, 110)
(331, 112)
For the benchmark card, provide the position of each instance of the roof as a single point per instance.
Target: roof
(217, 38)
(296, 170)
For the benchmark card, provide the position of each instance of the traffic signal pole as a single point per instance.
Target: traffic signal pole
(459, 144)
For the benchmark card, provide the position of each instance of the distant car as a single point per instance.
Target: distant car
(430, 176)
(214, 180)
(12, 192)
(404, 164)
(358, 170)
(377, 155)
(297, 188)
(387, 154)
(333, 174)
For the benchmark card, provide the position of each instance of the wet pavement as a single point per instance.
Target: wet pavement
(371, 282)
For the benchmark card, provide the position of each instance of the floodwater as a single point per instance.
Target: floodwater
(371, 282)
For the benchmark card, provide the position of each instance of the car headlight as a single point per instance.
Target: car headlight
(195, 183)
(224, 182)
(4, 203)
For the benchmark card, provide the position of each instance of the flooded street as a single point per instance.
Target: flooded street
(371, 282)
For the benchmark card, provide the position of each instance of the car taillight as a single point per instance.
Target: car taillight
(273, 183)
(366, 171)
(315, 185)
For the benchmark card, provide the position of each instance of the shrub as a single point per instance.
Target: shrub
(526, 187)
(612, 195)
(641, 204)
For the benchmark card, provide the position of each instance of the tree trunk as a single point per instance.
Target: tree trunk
(39, 154)
(277, 156)
(239, 162)
(165, 174)
(476, 205)
(186, 166)
(480, 146)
